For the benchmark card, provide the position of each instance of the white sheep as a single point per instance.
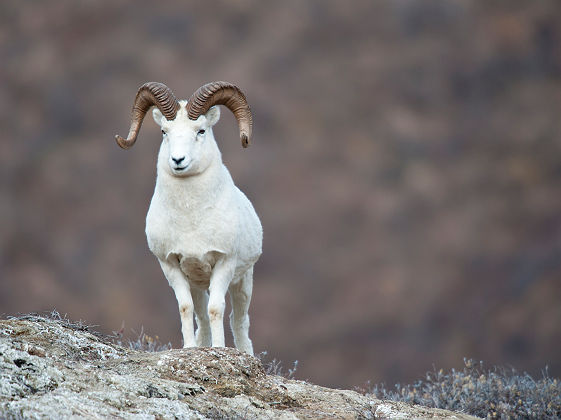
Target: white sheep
(201, 227)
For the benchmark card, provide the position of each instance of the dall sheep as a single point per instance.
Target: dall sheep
(200, 226)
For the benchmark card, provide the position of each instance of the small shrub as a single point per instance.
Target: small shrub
(495, 393)
(274, 367)
(143, 342)
(55, 316)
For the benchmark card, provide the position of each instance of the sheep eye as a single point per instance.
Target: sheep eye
(201, 132)
(163, 132)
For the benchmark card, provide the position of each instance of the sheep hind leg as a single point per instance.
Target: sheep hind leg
(200, 301)
(240, 297)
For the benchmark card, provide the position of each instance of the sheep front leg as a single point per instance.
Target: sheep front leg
(219, 281)
(182, 291)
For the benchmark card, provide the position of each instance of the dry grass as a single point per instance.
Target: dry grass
(496, 393)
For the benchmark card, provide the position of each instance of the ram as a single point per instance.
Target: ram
(200, 226)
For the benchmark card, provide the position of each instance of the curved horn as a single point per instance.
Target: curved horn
(227, 94)
(148, 95)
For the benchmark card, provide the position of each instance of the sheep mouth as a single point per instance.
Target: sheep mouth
(180, 170)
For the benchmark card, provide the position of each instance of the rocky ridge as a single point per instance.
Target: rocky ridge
(53, 368)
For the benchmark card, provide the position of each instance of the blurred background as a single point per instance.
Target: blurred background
(406, 166)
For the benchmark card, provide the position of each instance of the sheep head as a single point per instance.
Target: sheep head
(188, 146)
(211, 94)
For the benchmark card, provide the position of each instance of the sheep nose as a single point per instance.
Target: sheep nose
(179, 160)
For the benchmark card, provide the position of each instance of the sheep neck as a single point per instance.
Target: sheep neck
(194, 192)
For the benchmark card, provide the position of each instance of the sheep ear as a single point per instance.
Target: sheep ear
(157, 115)
(213, 115)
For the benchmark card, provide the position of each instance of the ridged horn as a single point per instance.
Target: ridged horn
(148, 95)
(227, 94)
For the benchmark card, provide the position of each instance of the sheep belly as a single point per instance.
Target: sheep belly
(198, 271)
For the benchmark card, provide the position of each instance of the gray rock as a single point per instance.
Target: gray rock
(52, 368)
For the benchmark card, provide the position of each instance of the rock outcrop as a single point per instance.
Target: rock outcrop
(53, 368)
